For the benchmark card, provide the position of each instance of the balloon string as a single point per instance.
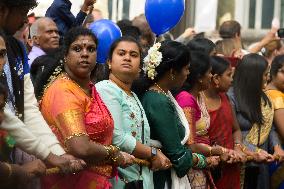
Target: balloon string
(155, 39)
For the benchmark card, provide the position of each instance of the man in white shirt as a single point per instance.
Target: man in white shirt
(22, 118)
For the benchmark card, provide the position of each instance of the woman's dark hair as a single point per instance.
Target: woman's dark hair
(2, 34)
(248, 87)
(175, 56)
(46, 65)
(3, 90)
(19, 3)
(219, 65)
(276, 64)
(73, 34)
(199, 65)
(201, 44)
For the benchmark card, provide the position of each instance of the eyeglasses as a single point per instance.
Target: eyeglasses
(3, 53)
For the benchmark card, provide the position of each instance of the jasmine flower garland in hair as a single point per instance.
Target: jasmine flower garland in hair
(152, 60)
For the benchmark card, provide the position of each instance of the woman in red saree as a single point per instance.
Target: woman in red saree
(75, 112)
(224, 129)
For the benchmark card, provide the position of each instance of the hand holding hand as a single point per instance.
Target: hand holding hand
(240, 155)
(212, 161)
(279, 154)
(263, 156)
(34, 168)
(160, 161)
(64, 163)
(125, 159)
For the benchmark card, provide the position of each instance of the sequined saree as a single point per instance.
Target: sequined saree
(199, 121)
(70, 112)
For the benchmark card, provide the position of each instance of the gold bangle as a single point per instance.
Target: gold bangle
(242, 147)
(197, 159)
(9, 169)
(224, 150)
(238, 144)
(210, 150)
(114, 159)
(258, 150)
(112, 153)
(108, 150)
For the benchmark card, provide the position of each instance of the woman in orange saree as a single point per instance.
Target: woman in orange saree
(76, 114)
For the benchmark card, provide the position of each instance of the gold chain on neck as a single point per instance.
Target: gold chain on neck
(161, 89)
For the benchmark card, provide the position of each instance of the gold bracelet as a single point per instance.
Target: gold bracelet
(210, 150)
(108, 150)
(242, 147)
(197, 159)
(112, 153)
(114, 159)
(224, 150)
(239, 145)
(258, 150)
(9, 169)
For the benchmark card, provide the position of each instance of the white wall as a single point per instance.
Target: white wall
(76, 5)
(205, 15)
(136, 8)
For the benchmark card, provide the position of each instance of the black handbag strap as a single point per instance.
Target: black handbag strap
(142, 125)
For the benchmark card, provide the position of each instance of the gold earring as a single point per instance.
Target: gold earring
(109, 66)
(173, 77)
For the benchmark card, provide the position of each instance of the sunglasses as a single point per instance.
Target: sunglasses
(3, 53)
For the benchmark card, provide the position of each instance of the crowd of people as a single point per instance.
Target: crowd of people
(161, 113)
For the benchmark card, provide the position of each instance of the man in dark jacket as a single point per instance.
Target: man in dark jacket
(60, 12)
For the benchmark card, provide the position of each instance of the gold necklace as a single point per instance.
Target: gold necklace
(161, 89)
(86, 91)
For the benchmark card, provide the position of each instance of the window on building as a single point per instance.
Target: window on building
(252, 7)
(282, 14)
(118, 9)
(267, 13)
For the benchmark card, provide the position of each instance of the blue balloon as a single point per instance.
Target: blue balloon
(107, 32)
(163, 15)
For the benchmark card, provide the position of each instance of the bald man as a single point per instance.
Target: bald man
(45, 36)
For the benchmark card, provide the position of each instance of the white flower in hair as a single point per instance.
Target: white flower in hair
(152, 60)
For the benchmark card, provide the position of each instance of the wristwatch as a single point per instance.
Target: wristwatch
(154, 152)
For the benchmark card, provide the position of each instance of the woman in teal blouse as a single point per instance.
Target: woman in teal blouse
(131, 132)
(166, 67)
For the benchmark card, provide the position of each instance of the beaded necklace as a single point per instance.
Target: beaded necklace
(161, 90)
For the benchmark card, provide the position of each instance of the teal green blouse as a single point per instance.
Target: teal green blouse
(127, 116)
(166, 127)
